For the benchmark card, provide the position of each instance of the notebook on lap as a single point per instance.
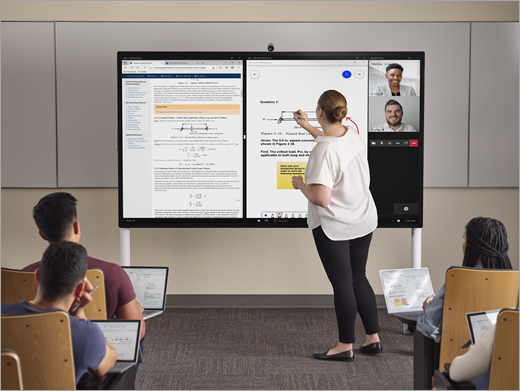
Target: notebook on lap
(405, 290)
(150, 284)
(124, 335)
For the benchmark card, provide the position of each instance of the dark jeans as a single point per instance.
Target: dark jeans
(345, 264)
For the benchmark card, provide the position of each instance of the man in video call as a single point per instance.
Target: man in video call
(394, 116)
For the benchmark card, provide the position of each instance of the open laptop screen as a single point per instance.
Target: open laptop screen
(149, 285)
(405, 289)
(123, 335)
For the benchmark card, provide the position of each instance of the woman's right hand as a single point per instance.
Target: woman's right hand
(428, 299)
(305, 124)
(300, 121)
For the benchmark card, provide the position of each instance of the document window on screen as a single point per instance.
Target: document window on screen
(183, 144)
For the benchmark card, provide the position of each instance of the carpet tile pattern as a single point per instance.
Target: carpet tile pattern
(267, 349)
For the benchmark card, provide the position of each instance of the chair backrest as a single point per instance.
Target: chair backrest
(97, 308)
(43, 343)
(11, 371)
(18, 285)
(504, 365)
(472, 290)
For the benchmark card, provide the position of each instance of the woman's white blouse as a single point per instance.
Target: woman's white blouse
(340, 163)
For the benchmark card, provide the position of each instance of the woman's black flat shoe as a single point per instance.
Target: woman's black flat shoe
(373, 348)
(343, 356)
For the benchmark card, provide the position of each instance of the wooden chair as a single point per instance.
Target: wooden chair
(43, 343)
(504, 365)
(467, 290)
(18, 285)
(97, 308)
(11, 371)
(472, 290)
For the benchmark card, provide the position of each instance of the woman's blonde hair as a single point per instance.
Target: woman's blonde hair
(334, 104)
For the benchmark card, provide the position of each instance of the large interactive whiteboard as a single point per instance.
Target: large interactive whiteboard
(208, 139)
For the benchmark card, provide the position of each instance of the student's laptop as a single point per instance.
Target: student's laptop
(405, 290)
(150, 285)
(480, 322)
(124, 335)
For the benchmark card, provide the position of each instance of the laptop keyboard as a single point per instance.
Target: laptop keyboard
(122, 365)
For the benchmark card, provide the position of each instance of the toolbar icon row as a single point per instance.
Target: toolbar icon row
(393, 143)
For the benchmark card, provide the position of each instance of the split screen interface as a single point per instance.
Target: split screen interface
(206, 139)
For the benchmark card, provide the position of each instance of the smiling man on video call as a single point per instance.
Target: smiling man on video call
(394, 116)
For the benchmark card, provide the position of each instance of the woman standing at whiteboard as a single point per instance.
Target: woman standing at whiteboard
(342, 216)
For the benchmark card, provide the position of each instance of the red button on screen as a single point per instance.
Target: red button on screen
(414, 143)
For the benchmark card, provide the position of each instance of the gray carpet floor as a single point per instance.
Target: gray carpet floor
(267, 349)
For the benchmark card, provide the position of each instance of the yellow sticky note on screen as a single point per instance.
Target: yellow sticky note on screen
(397, 302)
(285, 172)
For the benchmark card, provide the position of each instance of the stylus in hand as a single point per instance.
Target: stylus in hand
(300, 117)
(81, 301)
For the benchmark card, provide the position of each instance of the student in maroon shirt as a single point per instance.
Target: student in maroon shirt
(56, 218)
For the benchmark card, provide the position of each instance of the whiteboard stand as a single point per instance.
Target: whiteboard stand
(416, 247)
(124, 246)
(408, 328)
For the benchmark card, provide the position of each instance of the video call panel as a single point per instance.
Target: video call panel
(210, 139)
(395, 141)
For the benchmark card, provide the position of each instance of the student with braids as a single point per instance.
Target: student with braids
(485, 247)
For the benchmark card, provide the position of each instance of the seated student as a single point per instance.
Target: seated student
(62, 284)
(475, 365)
(485, 247)
(56, 218)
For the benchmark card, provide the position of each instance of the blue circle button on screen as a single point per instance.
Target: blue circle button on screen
(347, 74)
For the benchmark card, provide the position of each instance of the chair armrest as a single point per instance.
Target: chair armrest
(444, 382)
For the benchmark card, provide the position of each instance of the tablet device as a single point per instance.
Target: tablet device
(480, 322)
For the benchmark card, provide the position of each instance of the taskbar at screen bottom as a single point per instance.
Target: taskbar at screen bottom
(393, 221)
(213, 222)
(383, 222)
